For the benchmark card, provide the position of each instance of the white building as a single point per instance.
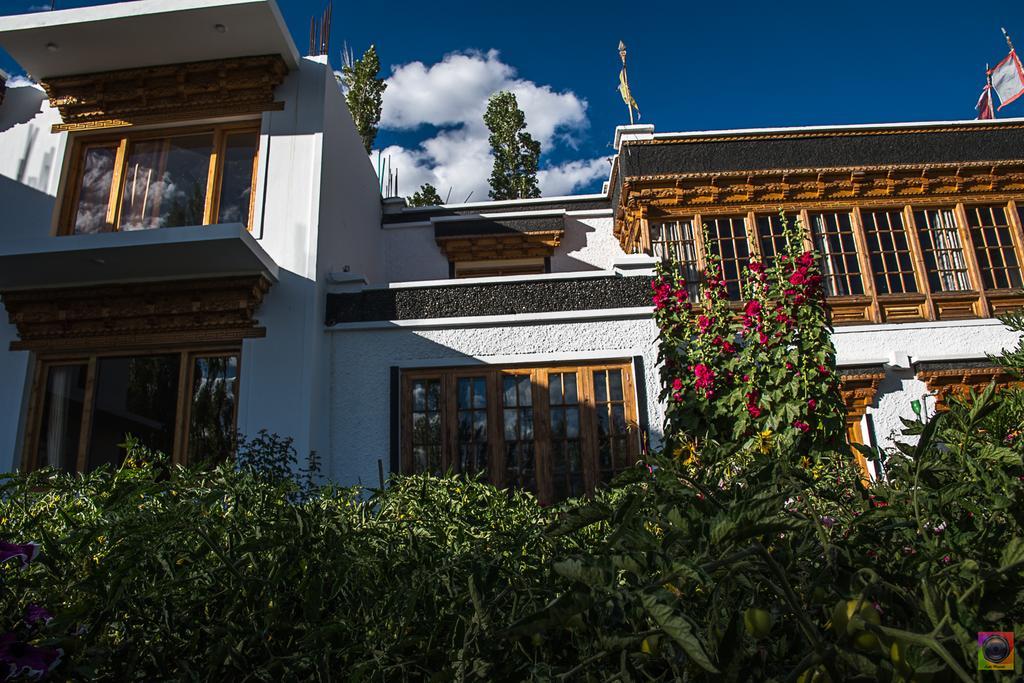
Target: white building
(196, 242)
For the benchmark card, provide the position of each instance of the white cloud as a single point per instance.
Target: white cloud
(451, 96)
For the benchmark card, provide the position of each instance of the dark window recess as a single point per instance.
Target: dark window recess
(61, 425)
(942, 249)
(137, 396)
(891, 260)
(728, 238)
(214, 397)
(993, 246)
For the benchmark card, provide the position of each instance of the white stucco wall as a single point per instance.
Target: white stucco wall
(30, 162)
(412, 254)
(363, 353)
(321, 212)
(361, 362)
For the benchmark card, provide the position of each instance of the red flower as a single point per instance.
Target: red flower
(752, 308)
(705, 377)
(754, 410)
(755, 266)
(805, 259)
(727, 347)
(812, 404)
(762, 337)
(789, 366)
(798, 277)
(703, 323)
(802, 426)
(822, 369)
(677, 384)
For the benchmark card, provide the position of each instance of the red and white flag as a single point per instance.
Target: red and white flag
(1008, 79)
(984, 105)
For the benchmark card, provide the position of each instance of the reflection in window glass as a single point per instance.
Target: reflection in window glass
(94, 190)
(236, 178)
(62, 417)
(943, 252)
(165, 182)
(566, 457)
(517, 401)
(212, 415)
(472, 426)
(771, 237)
(674, 242)
(612, 438)
(136, 396)
(426, 425)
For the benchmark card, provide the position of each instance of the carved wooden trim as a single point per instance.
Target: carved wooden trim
(858, 388)
(958, 381)
(136, 315)
(536, 244)
(221, 87)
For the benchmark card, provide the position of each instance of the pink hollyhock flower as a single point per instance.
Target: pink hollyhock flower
(27, 660)
(727, 347)
(746, 378)
(754, 410)
(802, 426)
(677, 384)
(762, 337)
(755, 266)
(24, 552)
(805, 259)
(798, 277)
(703, 323)
(752, 308)
(789, 366)
(34, 614)
(705, 377)
(812, 404)
(822, 369)
(677, 397)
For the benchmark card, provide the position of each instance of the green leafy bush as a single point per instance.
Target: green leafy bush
(750, 549)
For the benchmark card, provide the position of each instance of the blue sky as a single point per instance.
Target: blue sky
(693, 66)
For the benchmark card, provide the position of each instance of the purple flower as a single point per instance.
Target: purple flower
(26, 552)
(22, 659)
(34, 614)
(828, 522)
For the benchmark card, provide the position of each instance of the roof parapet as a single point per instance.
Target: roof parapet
(637, 131)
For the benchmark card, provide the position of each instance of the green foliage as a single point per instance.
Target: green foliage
(516, 153)
(364, 92)
(767, 374)
(725, 557)
(426, 196)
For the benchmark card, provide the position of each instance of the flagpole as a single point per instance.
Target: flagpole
(1008, 41)
(625, 78)
(988, 79)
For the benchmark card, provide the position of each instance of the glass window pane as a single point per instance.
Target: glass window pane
(165, 182)
(555, 388)
(525, 395)
(419, 395)
(94, 190)
(236, 177)
(511, 424)
(600, 386)
(509, 390)
(61, 423)
(465, 393)
(570, 388)
(212, 415)
(136, 396)
(572, 423)
(479, 392)
(615, 385)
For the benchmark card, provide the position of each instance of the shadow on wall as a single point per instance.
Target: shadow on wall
(576, 238)
(21, 105)
(28, 212)
(365, 400)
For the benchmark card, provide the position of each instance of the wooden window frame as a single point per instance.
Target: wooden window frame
(538, 374)
(123, 140)
(979, 302)
(183, 410)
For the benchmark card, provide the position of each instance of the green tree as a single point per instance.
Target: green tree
(515, 151)
(364, 92)
(426, 196)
